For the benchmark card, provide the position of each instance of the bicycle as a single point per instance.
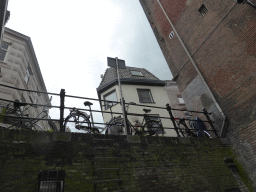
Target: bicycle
(12, 117)
(183, 128)
(80, 120)
(149, 128)
(197, 129)
(198, 125)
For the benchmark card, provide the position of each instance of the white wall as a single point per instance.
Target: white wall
(130, 94)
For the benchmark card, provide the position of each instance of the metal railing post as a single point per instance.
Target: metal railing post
(91, 116)
(62, 99)
(210, 122)
(169, 109)
(125, 117)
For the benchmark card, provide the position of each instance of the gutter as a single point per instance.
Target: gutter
(197, 70)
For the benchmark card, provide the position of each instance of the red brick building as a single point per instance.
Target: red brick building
(210, 47)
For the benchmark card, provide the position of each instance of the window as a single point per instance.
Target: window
(145, 96)
(111, 96)
(203, 10)
(3, 51)
(28, 73)
(181, 100)
(36, 96)
(136, 73)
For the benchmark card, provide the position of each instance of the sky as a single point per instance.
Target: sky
(72, 40)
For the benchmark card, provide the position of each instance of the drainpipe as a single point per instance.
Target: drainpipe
(197, 70)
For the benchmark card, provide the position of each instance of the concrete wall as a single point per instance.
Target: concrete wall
(145, 163)
(222, 45)
(130, 94)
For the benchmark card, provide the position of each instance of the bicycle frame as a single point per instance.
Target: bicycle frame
(20, 123)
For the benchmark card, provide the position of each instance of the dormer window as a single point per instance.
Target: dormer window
(136, 73)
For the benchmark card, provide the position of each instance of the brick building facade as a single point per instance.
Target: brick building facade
(210, 49)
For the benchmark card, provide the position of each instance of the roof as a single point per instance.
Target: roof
(110, 78)
(111, 74)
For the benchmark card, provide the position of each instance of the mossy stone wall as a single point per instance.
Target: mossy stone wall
(146, 164)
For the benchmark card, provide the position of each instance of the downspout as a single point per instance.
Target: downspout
(197, 70)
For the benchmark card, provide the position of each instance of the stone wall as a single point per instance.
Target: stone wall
(132, 164)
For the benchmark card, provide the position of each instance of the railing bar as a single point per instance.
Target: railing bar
(32, 104)
(91, 99)
(163, 108)
(29, 90)
(29, 118)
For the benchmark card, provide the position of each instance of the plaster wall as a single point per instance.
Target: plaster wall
(130, 94)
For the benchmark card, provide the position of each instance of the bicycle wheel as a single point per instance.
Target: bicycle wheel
(79, 122)
(116, 127)
(152, 127)
(12, 122)
(37, 127)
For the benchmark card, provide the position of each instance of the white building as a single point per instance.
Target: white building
(19, 68)
(139, 86)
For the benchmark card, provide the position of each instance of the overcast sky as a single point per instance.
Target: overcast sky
(72, 40)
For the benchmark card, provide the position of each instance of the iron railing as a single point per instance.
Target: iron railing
(61, 107)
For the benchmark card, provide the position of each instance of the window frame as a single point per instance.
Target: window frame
(180, 99)
(4, 50)
(150, 95)
(203, 10)
(28, 74)
(106, 95)
(141, 74)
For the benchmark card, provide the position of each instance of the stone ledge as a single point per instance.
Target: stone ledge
(61, 136)
(133, 139)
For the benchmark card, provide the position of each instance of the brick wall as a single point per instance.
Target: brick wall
(222, 44)
(146, 163)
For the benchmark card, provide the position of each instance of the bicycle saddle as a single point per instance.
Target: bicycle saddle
(17, 103)
(147, 110)
(87, 103)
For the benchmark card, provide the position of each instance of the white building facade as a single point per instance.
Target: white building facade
(20, 69)
(139, 86)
